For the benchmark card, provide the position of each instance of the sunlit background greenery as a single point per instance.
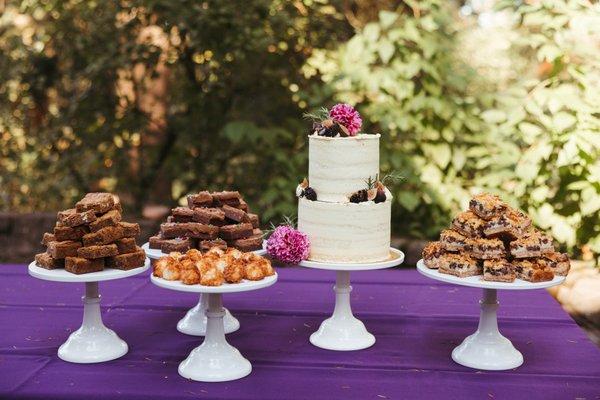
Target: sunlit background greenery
(154, 99)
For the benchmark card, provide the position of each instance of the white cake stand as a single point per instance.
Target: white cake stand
(194, 322)
(487, 349)
(92, 342)
(215, 360)
(342, 331)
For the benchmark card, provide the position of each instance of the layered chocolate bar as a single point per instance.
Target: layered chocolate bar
(532, 270)
(250, 243)
(485, 249)
(230, 198)
(130, 229)
(558, 262)
(460, 265)
(206, 245)
(126, 245)
(178, 244)
(451, 240)
(62, 233)
(105, 235)
(182, 214)
(469, 224)
(498, 270)
(234, 214)
(431, 254)
(486, 205)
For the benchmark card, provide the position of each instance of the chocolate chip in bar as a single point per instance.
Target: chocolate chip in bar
(105, 235)
(127, 261)
(452, 240)
(234, 214)
(469, 224)
(232, 232)
(210, 216)
(202, 199)
(180, 245)
(485, 249)
(126, 245)
(431, 254)
(73, 218)
(62, 233)
(498, 270)
(101, 251)
(206, 245)
(110, 218)
(47, 238)
(189, 229)
(63, 249)
(99, 203)
(45, 260)
(130, 229)
(78, 265)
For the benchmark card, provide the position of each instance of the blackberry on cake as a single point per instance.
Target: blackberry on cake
(498, 270)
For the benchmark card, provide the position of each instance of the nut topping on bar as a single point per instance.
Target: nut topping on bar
(432, 253)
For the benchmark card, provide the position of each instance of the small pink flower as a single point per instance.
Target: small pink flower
(288, 245)
(346, 115)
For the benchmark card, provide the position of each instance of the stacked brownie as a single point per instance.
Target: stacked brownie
(496, 241)
(218, 219)
(92, 236)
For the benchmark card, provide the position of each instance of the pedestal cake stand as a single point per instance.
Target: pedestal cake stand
(92, 342)
(215, 360)
(342, 331)
(194, 322)
(487, 349)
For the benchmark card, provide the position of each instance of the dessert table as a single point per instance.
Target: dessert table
(417, 322)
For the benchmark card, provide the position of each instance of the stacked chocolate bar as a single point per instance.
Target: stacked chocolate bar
(92, 236)
(218, 219)
(497, 241)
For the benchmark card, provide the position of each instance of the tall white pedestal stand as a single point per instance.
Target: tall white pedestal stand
(215, 360)
(92, 342)
(487, 349)
(194, 322)
(343, 331)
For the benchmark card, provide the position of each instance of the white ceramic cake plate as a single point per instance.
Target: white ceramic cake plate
(92, 342)
(487, 349)
(342, 331)
(215, 360)
(194, 322)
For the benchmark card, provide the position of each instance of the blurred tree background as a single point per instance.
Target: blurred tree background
(154, 99)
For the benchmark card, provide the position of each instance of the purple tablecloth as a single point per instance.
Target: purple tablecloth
(417, 323)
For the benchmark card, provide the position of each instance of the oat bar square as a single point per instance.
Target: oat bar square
(498, 270)
(486, 205)
(532, 270)
(469, 224)
(452, 240)
(432, 254)
(460, 265)
(485, 249)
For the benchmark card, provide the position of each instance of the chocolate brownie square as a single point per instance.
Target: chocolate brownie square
(47, 238)
(155, 242)
(105, 235)
(67, 248)
(210, 216)
(253, 219)
(202, 199)
(73, 218)
(62, 233)
(101, 251)
(206, 245)
(126, 245)
(251, 243)
(77, 265)
(188, 229)
(127, 261)
(110, 218)
(234, 214)
(230, 198)
(130, 229)
(243, 206)
(238, 231)
(45, 260)
(182, 214)
(179, 244)
(97, 202)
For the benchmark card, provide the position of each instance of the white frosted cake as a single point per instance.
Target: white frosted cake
(343, 208)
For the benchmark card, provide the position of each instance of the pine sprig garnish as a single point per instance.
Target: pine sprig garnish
(318, 116)
(372, 183)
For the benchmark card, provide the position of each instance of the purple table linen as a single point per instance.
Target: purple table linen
(417, 323)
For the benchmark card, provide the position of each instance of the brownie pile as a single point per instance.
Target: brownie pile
(497, 241)
(217, 219)
(92, 236)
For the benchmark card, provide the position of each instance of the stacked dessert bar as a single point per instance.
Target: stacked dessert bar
(218, 219)
(92, 236)
(496, 241)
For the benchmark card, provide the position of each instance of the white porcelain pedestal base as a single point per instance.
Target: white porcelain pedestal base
(487, 349)
(342, 331)
(215, 360)
(195, 320)
(92, 342)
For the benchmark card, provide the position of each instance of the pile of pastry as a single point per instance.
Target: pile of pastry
(91, 236)
(212, 268)
(497, 241)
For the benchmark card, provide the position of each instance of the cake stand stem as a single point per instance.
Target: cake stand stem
(194, 322)
(342, 331)
(92, 342)
(487, 349)
(215, 360)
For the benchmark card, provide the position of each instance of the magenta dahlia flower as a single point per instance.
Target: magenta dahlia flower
(288, 245)
(346, 115)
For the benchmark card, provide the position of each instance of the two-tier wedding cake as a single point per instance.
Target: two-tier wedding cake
(343, 207)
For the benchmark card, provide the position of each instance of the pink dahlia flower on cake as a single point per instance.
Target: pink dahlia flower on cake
(288, 245)
(346, 115)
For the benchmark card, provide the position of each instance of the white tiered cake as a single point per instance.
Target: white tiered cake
(343, 208)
